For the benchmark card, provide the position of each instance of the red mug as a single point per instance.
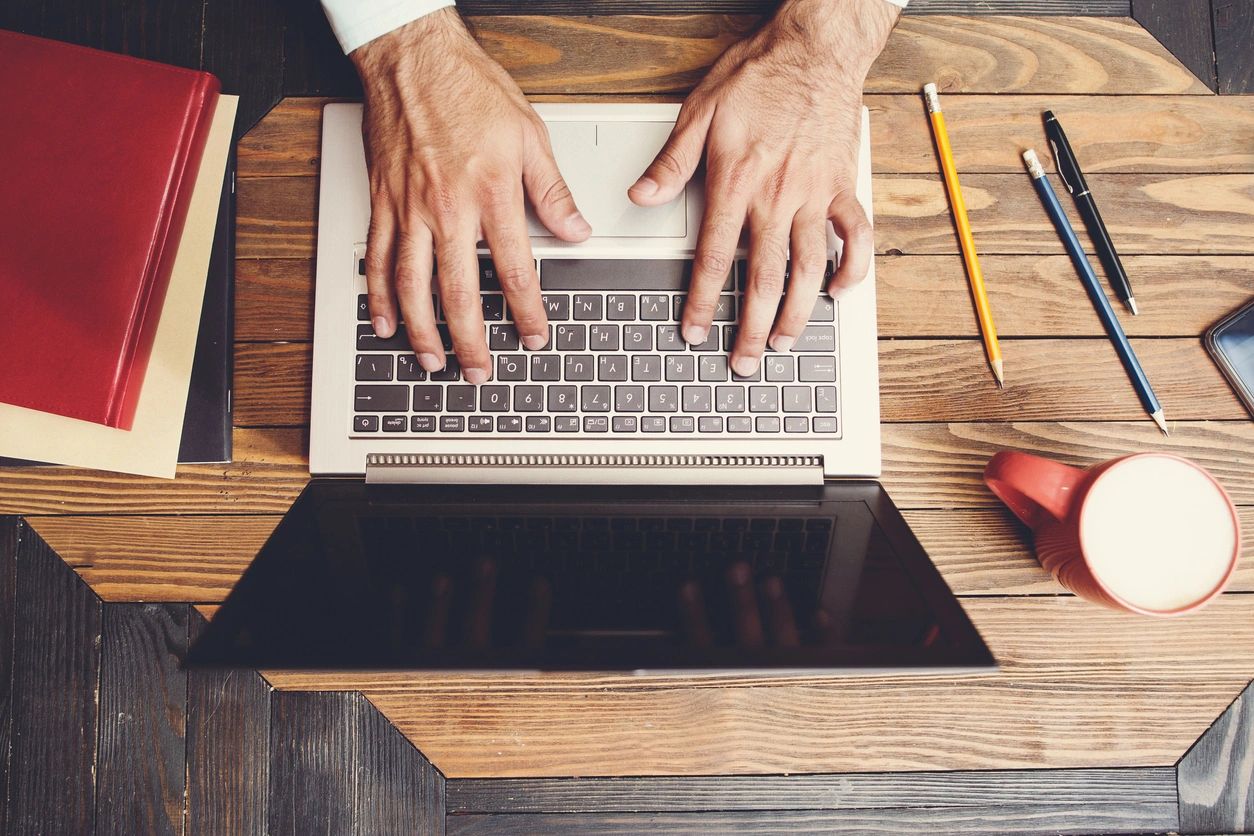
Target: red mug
(1151, 533)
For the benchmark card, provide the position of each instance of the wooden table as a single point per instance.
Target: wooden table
(1080, 686)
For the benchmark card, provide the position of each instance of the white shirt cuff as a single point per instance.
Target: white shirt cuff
(357, 22)
(901, 3)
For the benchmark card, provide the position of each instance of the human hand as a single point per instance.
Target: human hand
(452, 146)
(779, 119)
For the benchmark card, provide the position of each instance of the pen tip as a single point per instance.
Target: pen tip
(1132, 306)
(1161, 421)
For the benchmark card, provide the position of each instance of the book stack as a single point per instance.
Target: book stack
(116, 179)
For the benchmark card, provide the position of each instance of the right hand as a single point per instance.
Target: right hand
(452, 146)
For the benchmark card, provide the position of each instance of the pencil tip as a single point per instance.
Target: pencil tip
(1161, 421)
(1132, 305)
(999, 373)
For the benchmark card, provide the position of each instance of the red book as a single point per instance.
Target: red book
(98, 156)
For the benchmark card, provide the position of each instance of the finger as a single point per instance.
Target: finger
(745, 607)
(854, 230)
(479, 616)
(674, 165)
(807, 259)
(463, 309)
(551, 197)
(540, 603)
(506, 231)
(768, 256)
(413, 290)
(380, 257)
(692, 614)
(727, 201)
(436, 632)
(779, 610)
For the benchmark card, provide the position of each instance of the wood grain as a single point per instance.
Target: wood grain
(1216, 776)
(1122, 134)
(1234, 33)
(1080, 686)
(274, 299)
(10, 536)
(399, 791)
(228, 745)
(141, 777)
(1184, 27)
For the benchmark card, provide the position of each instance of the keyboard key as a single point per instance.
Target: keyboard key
(817, 338)
(539, 423)
(374, 367)
(825, 397)
(494, 398)
(683, 424)
(579, 367)
(696, 399)
(587, 307)
(726, 310)
(493, 307)
(779, 367)
(395, 423)
(710, 424)
(681, 367)
(428, 398)
(711, 342)
(451, 371)
(363, 306)
(624, 423)
(452, 423)
(529, 398)
(768, 423)
(796, 398)
(572, 338)
(653, 424)
(739, 424)
(655, 307)
(595, 398)
(545, 367)
(637, 338)
(511, 367)
(422, 424)
(824, 309)
(627, 274)
(365, 423)
(557, 306)
(629, 399)
(815, 369)
(407, 368)
(596, 424)
(603, 337)
(381, 398)
(479, 423)
(663, 398)
(502, 338)
(825, 424)
(563, 399)
(646, 368)
(712, 368)
(669, 339)
(611, 367)
(764, 399)
(367, 341)
(619, 307)
(729, 398)
(460, 398)
(566, 423)
(796, 424)
(509, 423)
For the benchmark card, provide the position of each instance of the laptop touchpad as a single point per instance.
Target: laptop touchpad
(600, 161)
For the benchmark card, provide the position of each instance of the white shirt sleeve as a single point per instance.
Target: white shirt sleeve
(357, 22)
(901, 3)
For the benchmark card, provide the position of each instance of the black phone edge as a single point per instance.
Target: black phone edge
(1210, 339)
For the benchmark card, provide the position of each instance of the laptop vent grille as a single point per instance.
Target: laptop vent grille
(579, 460)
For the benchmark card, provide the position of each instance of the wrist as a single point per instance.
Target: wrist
(436, 33)
(851, 31)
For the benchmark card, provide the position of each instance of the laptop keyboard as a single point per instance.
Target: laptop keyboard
(615, 364)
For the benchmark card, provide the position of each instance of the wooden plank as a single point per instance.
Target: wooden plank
(274, 299)
(1023, 789)
(56, 677)
(920, 380)
(1081, 686)
(1058, 818)
(1164, 134)
(1184, 27)
(10, 534)
(1192, 215)
(1216, 776)
(228, 746)
(398, 791)
(141, 760)
(243, 46)
(1234, 36)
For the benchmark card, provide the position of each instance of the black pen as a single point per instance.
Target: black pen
(1073, 179)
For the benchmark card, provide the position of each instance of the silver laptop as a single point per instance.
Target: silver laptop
(617, 397)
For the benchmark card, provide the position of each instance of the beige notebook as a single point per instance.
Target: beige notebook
(151, 447)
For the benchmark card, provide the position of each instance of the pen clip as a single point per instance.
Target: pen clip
(1062, 169)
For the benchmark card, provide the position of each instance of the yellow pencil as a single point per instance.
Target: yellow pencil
(976, 276)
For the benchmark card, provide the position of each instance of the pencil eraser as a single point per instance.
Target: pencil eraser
(933, 100)
(1033, 163)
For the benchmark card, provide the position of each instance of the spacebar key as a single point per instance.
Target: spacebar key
(617, 274)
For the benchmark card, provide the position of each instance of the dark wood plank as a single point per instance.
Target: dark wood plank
(1058, 818)
(56, 673)
(243, 46)
(158, 30)
(1184, 27)
(1234, 45)
(10, 531)
(1216, 775)
(141, 760)
(399, 791)
(1022, 789)
(228, 746)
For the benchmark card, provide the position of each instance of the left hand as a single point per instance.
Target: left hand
(779, 117)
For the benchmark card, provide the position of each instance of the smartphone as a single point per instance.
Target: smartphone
(1231, 342)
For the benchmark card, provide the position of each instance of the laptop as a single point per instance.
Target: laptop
(617, 501)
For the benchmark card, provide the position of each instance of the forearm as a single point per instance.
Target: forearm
(357, 22)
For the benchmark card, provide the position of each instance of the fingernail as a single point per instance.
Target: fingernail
(695, 334)
(739, 574)
(535, 342)
(381, 327)
(836, 291)
(783, 343)
(645, 186)
(773, 587)
(475, 376)
(430, 362)
(745, 366)
(579, 224)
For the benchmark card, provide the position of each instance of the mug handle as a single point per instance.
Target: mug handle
(1034, 488)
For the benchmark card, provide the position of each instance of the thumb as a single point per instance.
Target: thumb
(674, 165)
(551, 197)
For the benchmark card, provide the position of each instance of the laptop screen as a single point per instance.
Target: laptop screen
(595, 578)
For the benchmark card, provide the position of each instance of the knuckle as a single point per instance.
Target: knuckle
(714, 261)
(496, 192)
(702, 306)
(669, 161)
(555, 193)
(753, 336)
(441, 201)
(515, 278)
(458, 297)
(768, 283)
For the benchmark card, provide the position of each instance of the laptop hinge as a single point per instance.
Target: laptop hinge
(567, 469)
